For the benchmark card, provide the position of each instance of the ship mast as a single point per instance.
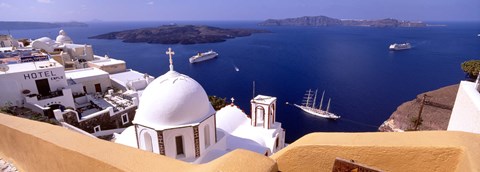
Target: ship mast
(328, 106)
(321, 100)
(314, 99)
(308, 97)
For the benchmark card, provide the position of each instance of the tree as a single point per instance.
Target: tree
(217, 102)
(471, 68)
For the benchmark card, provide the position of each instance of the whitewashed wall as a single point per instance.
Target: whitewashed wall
(466, 111)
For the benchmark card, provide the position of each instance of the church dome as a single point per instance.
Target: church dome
(62, 38)
(173, 99)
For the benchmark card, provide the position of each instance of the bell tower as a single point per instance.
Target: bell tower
(263, 111)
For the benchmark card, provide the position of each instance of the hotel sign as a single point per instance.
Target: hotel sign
(43, 74)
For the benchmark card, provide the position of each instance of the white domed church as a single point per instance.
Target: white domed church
(175, 119)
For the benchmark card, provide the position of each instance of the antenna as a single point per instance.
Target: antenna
(253, 91)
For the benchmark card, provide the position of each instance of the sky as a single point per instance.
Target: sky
(234, 10)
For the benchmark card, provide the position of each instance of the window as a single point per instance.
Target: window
(97, 129)
(98, 88)
(206, 130)
(125, 118)
(259, 116)
(148, 142)
(179, 143)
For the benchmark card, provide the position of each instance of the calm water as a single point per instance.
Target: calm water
(365, 81)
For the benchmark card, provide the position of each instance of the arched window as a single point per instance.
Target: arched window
(260, 113)
(260, 116)
(148, 142)
(206, 130)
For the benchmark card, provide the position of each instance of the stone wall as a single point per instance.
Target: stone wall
(105, 121)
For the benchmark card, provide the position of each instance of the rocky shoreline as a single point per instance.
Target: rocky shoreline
(435, 115)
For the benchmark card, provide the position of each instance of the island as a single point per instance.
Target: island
(178, 34)
(18, 25)
(328, 21)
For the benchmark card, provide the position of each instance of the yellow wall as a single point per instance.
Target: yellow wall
(35, 146)
(409, 151)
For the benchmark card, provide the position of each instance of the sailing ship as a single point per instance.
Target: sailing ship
(308, 105)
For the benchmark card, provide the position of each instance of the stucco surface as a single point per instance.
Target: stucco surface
(410, 151)
(35, 146)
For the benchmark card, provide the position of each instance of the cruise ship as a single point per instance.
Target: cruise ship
(404, 46)
(203, 56)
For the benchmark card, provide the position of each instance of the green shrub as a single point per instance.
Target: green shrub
(471, 68)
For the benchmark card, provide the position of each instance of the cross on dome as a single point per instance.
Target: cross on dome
(232, 99)
(170, 53)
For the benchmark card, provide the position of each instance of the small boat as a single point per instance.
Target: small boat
(308, 105)
(403, 46)
(203, 56)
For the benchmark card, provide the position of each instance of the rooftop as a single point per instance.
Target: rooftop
(31, 66)
(84, 73)
(105, 61)
(264, 99)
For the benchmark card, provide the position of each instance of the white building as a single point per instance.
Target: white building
(108, 64)
(93, 80)
(72, 56)
(30, 79)
(175, 119)
(8, 43)
(466, 110)
(131, 81)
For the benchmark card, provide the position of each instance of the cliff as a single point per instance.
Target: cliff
(16, 25)
(176, 34)
(327, 21)
(435, 115)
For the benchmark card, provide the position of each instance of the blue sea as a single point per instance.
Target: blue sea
(365, 80)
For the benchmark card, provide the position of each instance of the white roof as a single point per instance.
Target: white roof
(128, 137)
(107, 62)
(264, 99)
(230, 117)
(123, 78)
(84, 73)
(173, 100)
(63, 38)
(234, 121)
(32, 66)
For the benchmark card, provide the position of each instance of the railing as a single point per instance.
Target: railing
(52, 94)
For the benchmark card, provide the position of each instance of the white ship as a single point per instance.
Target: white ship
(404, 46)
(203, 56)
(308, 105)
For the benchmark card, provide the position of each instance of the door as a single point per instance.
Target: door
(43, 87)
(98, 88)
